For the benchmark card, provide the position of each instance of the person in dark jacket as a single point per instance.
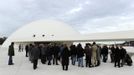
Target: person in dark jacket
(30, 46)
(56, 50)
(88, 52)
(73, 52)
(35, 53)
(26, 49)
(11, 53)
(117, 57)
(65, 57)
(43, 53)
(112, 54)
(104, 52)
(123, 54)
(80, 54)
(49, 53)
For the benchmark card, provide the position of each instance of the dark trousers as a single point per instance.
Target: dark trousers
(35, 63)
(117, 63)
(65, 67)
(10, 61)
(98, 62)
(26, 53)
(88, 61)
(112, 57)
(122, 61)
(55, 60)
(105, 57)
(49, 58)
(73, 57)
(43, 59)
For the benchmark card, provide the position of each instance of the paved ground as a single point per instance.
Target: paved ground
(24, 67)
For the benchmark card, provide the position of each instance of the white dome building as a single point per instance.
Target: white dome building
(44, 31)
(53, 31)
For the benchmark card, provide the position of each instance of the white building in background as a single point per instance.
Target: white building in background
(112, 36)
(56, 31)
(44, 31)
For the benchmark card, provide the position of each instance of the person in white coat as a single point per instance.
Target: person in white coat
(94, 54)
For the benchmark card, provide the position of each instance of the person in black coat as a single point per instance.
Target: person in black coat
(56, 50)
(80, 54)
(11, 53)
(123, 54)
(112, 54)
(65, 57)
(30, 46)
(104, 52)
(43, 53)
(73, 51)
(35, 53)
(88, 52)
(117, 57)
(26, 49)
(49, 53)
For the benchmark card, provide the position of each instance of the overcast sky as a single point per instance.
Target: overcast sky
(85, 16)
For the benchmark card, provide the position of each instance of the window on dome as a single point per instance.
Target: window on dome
(34, 35)
(43, 35)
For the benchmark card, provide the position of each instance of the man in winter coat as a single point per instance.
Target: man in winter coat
(98, 55)
(11, 53)
(26, 49)
(80, 54)
(88, 52)
(112, 54)
(94, 54)
(73, 51)
(123, 54)
(104, 52)
(49, 53)
(56, 51)
(117, 57)
(43, 53)
(65, 57)
(30, 46)
(35, 53)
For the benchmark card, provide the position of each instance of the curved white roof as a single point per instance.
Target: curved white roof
(50, 30)
(112, 36)
(44, 30)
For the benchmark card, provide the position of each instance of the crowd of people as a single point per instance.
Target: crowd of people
(55, 54)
